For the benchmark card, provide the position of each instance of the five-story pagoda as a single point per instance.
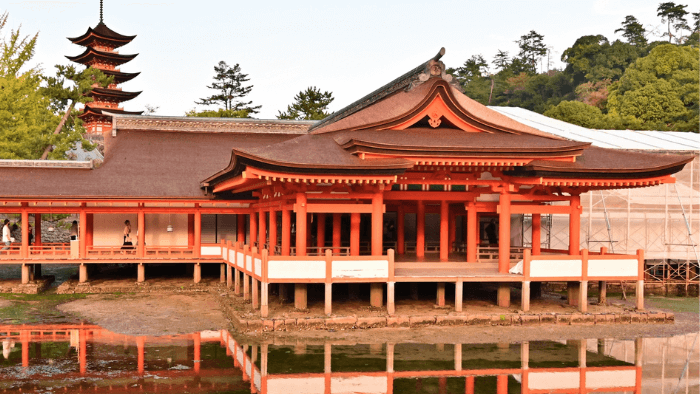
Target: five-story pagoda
(100, 53)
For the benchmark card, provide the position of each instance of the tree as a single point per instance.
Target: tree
(79, 91)
(532, 48)
(633, 31)
(593, 58)
(660, 90)
(674, 16)
(228, 82)
(594, 93)
(310, 104)
(578, 113)
(501, 60)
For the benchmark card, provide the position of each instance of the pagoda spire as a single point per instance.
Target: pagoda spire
(100, 44)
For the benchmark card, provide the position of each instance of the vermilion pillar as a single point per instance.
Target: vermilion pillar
(240, 227)
(321, 232)
(377, 223)
(472, 232)
(301, 224)
(337, 232)
(504, 248)
(575, 225)
(444, 231)
(253, 228)
(420, 229)
(400, 231)
(197, 352)
(286, 231)
(536, 234)
(190, 230)
(354, 234)
(37, 229)
(197, 234)
(90, 229)
(300, 291)
(262, 229)
(83, 233)
(273, 231)
(141, 237)
(25, 233)
(140, 358)
(504, 234)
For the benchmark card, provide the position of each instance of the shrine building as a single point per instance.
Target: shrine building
(413, 183)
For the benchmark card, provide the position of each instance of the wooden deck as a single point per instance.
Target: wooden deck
(410, 268)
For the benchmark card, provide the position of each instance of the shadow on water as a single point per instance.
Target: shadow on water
(81, 357)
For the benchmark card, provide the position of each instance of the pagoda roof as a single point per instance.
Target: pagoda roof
(119, 95)
(91, 53)
(106, 111)
(104, 33)
(120, 77)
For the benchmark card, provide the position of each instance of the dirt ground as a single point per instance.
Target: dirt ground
(150, 314)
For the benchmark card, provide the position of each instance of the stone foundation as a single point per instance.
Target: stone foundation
(34, 287)
(507, 319)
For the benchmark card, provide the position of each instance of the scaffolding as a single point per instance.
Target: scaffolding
(663, 220)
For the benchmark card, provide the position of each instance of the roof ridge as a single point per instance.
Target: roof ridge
(395, 85)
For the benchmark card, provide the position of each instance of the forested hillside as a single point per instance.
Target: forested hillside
(646, 80)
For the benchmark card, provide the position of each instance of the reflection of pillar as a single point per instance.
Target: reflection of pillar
(502, 384)
(390, 357)
(141, 344)
(444, 230)
(197, 351)
(581, 347)
(400, 230)
(327, 349)
(354, 234)
(472, 232)
(469, 385)
(82, 351)
(442, 385)
(536, 233)
(24, 335)
(420, 229)
(525, 355)
(263, 359)
(458, 356)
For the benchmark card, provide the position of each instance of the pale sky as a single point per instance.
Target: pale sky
(349, 48)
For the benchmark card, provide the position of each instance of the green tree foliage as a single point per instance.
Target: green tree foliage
(633, 31)
(532, 48)
(593, 58)
(229, 85)
(64, 98)
(674, 16)
(501, 60)
(660, 90)
(475, 79)
(219, 113)
(578, 113)
(310, 104)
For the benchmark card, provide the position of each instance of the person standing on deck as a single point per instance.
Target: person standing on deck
(491, 233)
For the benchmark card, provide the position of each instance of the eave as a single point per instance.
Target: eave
(91, 54)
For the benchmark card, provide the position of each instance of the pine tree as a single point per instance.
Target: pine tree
(633, 31)
(310, 104)
(532, 48)
(228, 82)
(83, 83)
(674, 15)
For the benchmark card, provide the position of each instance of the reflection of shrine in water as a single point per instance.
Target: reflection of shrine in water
(85, 357)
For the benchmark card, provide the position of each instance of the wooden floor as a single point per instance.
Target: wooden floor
(409, 268)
